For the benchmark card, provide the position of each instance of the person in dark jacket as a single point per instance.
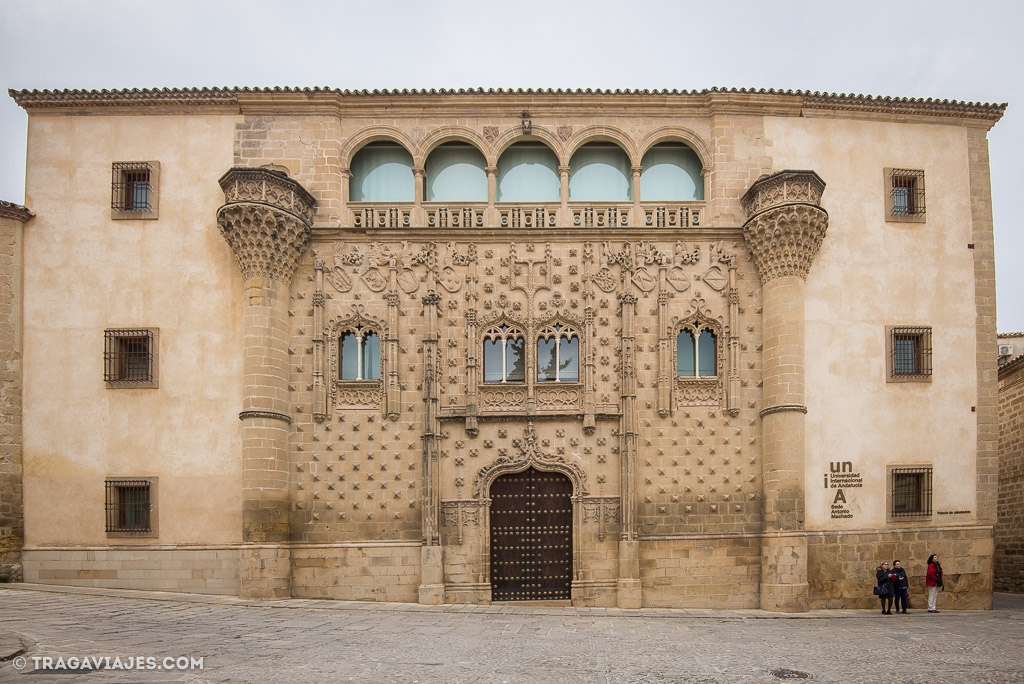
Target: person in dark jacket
(933, 580)
(885, 587)
(901, 585)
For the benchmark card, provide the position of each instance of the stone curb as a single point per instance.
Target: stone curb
(504, 609)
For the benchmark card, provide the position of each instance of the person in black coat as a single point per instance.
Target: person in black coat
(901, 585)
(885, 587)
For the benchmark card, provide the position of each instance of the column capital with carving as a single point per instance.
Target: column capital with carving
(785, 223)
(266, 219)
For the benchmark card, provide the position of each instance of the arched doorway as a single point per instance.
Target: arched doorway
(531, 536)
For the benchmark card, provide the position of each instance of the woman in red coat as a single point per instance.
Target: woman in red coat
(933, 580)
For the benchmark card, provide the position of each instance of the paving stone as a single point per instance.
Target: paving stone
(349, 641)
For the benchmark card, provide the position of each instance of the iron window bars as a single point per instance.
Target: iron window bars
(131, 188)
(128, 506)
(128, 356)
(911, 351)
(911, 494)
(906, 192)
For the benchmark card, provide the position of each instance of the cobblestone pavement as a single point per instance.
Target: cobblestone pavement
(299, 641)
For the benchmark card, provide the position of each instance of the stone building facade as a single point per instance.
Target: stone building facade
(1009, 531)
(633, 349)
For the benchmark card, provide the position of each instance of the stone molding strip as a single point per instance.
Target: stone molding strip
(393, 543)
(15, 211)
(783, 407)
(263, 413)
(34, 99)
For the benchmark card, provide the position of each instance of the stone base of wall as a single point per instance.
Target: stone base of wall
(10, 566)
(1009, 572)
(841, 565)
(709, 572)
(212, 570)
(374, 571)
(595, 593)
(718, 573)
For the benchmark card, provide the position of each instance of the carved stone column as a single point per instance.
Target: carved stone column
(784, 228)
(491, 218)
(563, 193)
(635, 173)
(628, 589)
(266, 219)
(419, 214)
(431, 589)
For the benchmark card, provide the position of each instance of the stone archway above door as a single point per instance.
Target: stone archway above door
(529, 455)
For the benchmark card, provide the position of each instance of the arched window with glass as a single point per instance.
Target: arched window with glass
(672, 172)
(528, 172)
(359, 351)
(696, 353)
(504, 354)
(599, 172)
(456, 172)
(382, 172)
(558, 354)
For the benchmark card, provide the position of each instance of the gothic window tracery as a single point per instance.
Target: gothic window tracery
(558, 354)
(700, 361)
(504, 354)
(359, 354)
(356, 360)
(696, 352)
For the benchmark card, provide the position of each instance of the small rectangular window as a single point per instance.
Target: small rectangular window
(909, 351)
(910, 492)
(129, 506)
(904, 195)
(129, 357)
(133, 190)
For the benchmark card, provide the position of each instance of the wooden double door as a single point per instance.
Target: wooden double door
(531, 537)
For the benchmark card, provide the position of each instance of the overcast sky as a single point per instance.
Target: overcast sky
(952, 50)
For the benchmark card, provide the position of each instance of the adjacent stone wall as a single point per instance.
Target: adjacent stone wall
(357, 572)
(209, 570)
(714, 572)
(987, 407)
(841, 565)
(1009, 534)
(12, 518)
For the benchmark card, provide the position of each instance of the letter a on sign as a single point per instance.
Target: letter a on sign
(839, 497)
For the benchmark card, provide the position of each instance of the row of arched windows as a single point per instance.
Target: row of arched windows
(558, 354)
(527, 172)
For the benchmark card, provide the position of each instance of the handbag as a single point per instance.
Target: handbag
(878, 591)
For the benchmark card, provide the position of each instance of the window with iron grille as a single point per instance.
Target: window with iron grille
(133, 190)
(904, 195)
(129, 357)
(129, 506)
(910, 493)
(909, 351)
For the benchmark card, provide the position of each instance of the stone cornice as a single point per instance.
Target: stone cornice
(784, 187)
(267, 186)
(15, 211)
(699, 102)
